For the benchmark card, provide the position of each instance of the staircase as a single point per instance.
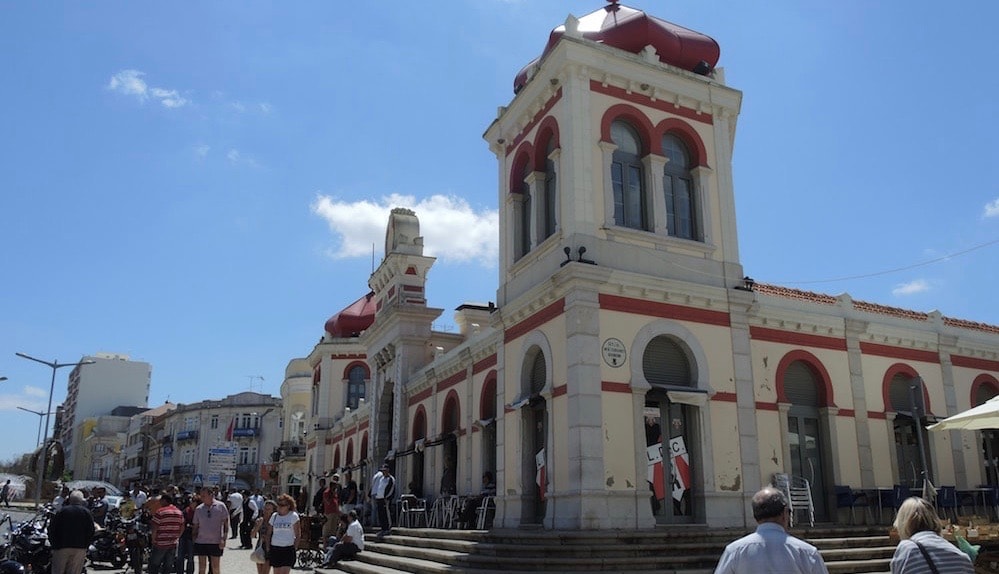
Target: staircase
(679, 550)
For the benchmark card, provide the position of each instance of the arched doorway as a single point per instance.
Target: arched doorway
(670, 430)
(907, 398)
(419, 458)
(805, 391)
(449, 426)
(534, 435)
(487, 421)
(986, 388)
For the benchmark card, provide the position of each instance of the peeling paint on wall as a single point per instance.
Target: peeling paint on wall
(735, 487)
(610, 481)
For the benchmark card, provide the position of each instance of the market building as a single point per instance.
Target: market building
(629, 373)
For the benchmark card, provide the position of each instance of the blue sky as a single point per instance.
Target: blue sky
(198, 185)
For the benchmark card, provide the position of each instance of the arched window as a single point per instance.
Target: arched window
(525, 213)
(664, 363)
(355, 386)
(678, 187)
(548, 223)
(350, 453)
(538, 373)
(627, 179)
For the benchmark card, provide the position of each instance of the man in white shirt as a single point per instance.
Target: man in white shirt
(235, 512)
(771, 549)
(382, 490)
(351, 543)
(138, 496)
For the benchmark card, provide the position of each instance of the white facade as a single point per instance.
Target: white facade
(95, 389)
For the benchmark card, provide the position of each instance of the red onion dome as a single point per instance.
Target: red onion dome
(355, 318)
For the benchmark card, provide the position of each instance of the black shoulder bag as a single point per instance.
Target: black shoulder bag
(926, 555)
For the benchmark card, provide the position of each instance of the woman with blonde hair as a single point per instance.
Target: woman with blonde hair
(260, 531)
(921, 549)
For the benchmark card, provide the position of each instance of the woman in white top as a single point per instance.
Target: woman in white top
(283, 534)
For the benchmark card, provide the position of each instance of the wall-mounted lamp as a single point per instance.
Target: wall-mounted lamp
(747, 284)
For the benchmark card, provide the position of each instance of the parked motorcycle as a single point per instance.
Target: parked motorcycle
(29, 545)
(108, 546)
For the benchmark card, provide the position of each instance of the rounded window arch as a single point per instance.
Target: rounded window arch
(451, 417)
(628, 177)
(487, 399)
(356, 375)
(364, 447)
(983, 388)
(350, 453)
(897, 394)
(535, 376)
(336, 457)
(803, 380)
(665, 363)
(682, 209)
(420, 423)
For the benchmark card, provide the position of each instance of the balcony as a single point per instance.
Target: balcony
(246, 432)
(293, 450)
(187, 435)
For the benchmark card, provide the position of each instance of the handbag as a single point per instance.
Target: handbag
(258, 555)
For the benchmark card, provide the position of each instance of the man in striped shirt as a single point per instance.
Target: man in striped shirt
(168, 525)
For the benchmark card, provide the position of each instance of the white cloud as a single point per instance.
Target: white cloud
(35, 392)
(265, 107)
(237, 157)
(452, 229)
(992, 208)
(202, 150)
(169, 98)
(238, 106)
(130, 83)
(911, 288)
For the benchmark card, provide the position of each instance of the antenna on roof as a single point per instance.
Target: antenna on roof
(255, 378)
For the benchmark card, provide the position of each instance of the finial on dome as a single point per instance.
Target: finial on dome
(612, 6)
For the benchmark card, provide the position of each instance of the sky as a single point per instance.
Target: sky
(201, 185)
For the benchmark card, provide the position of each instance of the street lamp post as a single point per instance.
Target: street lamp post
(55, 366)
(38, 439)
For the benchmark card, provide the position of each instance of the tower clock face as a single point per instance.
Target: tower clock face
(614, 352)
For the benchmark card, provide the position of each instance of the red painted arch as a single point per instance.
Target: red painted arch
(635, 119)
(349, 367)
(901, 369)
(488, 397)
(547, 131)
(983, 380)
(687, 135)
(818, 369)
(420, 423)
(451, 404)
(523, 158)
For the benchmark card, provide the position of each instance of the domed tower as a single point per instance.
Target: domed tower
(618, 249)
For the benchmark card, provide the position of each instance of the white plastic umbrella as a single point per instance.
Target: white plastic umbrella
(984, 416)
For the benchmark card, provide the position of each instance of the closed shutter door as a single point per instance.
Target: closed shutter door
(538, 373)
(800, 386)
(665, 364)
(899, 395)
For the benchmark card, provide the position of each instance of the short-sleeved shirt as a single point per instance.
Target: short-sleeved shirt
(169, 524)
(283, 529)
(770, 549)
(356, 533)
(211, 520)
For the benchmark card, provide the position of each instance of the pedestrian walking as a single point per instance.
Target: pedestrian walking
(211, 529)
(70, 532)
(185, 546)
(5, 493)
(283, 535)
(771, 549)
(167, 528)
(921, 548)
(235, 512)
(261, 530)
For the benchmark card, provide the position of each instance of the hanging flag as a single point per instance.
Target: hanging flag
(680, 464)
(229, 431)
(540, 478)
(656, 478)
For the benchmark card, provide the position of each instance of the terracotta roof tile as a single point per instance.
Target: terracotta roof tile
(890, 311)
(789, 293)
(965, 324)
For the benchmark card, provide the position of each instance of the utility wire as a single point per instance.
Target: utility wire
(896, 269)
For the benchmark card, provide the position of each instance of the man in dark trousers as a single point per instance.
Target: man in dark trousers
(70, 532)
(383, 490)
